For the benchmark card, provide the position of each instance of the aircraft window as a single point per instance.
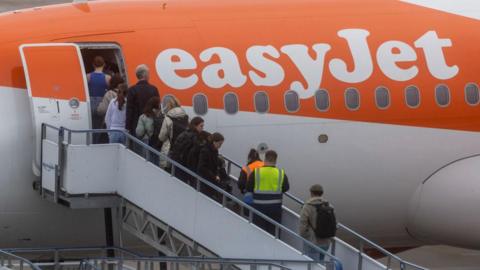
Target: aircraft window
(412, 96)
(200, 104)
(165, 100)
(230, 103)
(382, 97)
(261, 102)
(442, 95)
(471, 94)
(292, 102)
(352, 99)
(322, 100)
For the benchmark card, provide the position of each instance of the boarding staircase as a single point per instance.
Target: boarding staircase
(175, 217)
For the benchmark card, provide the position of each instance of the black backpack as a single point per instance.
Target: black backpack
(181, 147)
(192, 157)
(157, 126)
(179, 125)
(326, 223)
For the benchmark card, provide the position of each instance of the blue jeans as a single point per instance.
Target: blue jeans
(312, 253)
(117, 137)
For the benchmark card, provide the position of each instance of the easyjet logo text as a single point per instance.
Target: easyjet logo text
(264, 71)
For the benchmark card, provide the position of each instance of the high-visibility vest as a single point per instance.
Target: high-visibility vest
(268, 185)
(252, 166)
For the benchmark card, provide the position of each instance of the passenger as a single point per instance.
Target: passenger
(98, 83)
(146, 123)
(176, 122)
(116, 115)
(138, 96)
(208, 164)
(268, 184)
(110, 95)
(253, 162)
(308, 223)
(184, 143)
(194, 153)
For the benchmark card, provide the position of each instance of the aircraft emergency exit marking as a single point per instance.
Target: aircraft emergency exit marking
(266, 72)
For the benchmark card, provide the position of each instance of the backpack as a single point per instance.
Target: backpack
(326, 223)
(179, 125)
(157, 126)
(181, 147)
(193, 154)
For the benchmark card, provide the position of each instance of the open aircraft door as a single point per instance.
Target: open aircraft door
(58, 90)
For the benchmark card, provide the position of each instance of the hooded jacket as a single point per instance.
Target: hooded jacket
(308, 218)
(167, 126)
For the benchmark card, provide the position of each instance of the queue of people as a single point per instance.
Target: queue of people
(138, 111)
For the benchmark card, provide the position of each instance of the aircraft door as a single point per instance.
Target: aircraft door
(57, 87)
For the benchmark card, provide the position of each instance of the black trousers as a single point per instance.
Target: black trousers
(273, 211)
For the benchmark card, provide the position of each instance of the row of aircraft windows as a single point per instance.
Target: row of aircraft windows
(352, 99)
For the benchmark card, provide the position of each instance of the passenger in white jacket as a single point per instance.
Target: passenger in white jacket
(116, 115)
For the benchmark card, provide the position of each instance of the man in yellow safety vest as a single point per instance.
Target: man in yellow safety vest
(268, 184)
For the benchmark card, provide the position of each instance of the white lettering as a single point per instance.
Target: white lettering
(274, 73)
(362, 59)
(167, 67)
(397, 60)
(432, 48)
(311, 69)
(229, 65)
(387, 60)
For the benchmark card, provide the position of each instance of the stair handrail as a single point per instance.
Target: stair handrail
(360, 237)
(225, 195)
(11, 257)
(93, 262)
(57, 250)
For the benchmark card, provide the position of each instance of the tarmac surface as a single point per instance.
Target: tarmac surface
(432, 257)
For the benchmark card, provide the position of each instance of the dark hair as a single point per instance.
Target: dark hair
(253, 156)
(271, 156)
(115, 81)
(152, 103)
(217, 137)
(203, 136)
(98, 61)
(197, 120)
(122, 95)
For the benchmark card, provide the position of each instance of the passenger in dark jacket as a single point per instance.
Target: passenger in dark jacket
(181, 147)
(194, 153)
(208, 163)
(137, 98)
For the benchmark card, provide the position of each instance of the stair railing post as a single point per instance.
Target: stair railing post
(360, 257)
(88, 138)
(120, 264)
(127, 141)
(147, 155)
(334, 245)
(277, 232)
(229, 167)
(56, 259)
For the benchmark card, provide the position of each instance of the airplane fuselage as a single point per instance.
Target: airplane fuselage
(333, 56)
